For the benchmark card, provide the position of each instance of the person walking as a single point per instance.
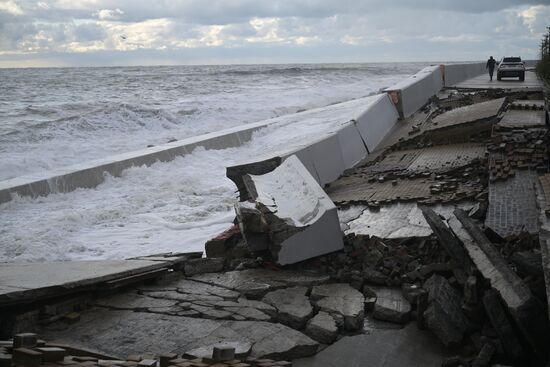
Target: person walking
(491, 66)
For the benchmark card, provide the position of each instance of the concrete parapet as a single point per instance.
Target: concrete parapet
(377, 121)
(456, 73)
(412, 93)
(92, 173)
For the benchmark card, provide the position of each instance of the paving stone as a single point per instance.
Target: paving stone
(212, 313)
(204, 265)
(241, 350)
(173, 295)
(522, 119)
(223, 353)
(341, 299)
(322, 328)
(292, 304)
(248, 313)
(254, 283)
(391, 305)
(133, 301)
(444, 315)
(513, 205)
(126, 332)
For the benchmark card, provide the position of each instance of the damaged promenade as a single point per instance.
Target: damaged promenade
(434, 250)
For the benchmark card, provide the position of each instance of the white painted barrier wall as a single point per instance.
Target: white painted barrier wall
(415, 91)
(326, 157)
(377, 121)
(456, 73)
(92, 173)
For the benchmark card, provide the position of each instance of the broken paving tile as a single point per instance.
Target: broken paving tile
(322, 327)
(341, 299)
(292, 304)
(133, 301)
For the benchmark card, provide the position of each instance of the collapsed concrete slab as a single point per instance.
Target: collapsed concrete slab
(123, 333)
(301, 221)
(26, 283)
(524, 308)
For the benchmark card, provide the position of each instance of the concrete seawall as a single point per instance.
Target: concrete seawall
(326, 156)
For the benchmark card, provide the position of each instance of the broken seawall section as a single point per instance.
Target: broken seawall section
(361, 135)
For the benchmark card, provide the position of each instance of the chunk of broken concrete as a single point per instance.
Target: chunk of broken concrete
(255, 283)
(391, 305)
(444, 315)
(241, 349)
(322, 328)
(341, 299)
(527, 312)
(204, 265)
(292, 304)
(302, 221)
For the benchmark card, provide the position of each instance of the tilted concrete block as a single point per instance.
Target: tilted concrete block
(326, 154)
(301, 220)
(415, 91)
(377, 121)
(354, 149)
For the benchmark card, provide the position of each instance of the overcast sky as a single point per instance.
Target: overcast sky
(138, 32)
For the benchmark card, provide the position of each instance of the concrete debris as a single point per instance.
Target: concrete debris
(292, 304)
(524, 308)
(444, 315)
(502, 325)
(322, 328)
(341, 299)
(301, 221)
(204, 265)
(391, 305)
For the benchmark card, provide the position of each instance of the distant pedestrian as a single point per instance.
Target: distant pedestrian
(491, 66)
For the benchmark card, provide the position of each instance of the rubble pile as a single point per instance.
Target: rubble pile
(27, 350)
(514, 150)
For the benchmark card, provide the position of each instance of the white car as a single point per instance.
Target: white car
(511, 67)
